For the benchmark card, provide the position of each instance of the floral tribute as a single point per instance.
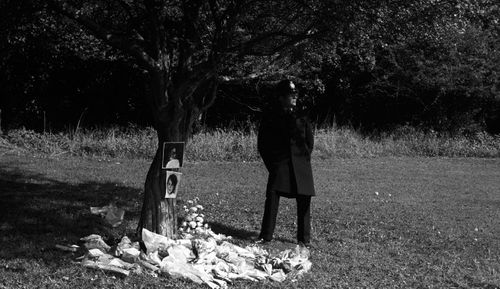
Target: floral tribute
(194, 220)
(198, 254)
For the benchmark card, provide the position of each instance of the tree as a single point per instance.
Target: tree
(37, 50)
(185, 45)
(440, 71)
(421, 62)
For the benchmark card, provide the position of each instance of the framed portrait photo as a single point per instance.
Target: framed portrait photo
(172, 155)
(172, 182)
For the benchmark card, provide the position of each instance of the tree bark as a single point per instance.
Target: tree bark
(174, 115)
(158, 214)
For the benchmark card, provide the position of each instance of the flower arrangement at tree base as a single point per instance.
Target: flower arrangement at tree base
(198, 254)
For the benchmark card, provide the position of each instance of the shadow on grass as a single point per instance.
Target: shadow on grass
(43, 212)
(37, 210)
(243, 235)
(231, 231)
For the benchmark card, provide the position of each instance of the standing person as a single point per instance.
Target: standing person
(285, 142)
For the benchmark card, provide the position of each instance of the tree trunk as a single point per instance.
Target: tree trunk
(158, 214)
(173, 122)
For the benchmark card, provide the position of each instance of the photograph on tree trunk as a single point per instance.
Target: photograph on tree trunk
(172, 155)
(173, 180)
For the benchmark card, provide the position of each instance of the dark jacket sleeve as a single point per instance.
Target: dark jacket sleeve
(303, 136)
(273, 141)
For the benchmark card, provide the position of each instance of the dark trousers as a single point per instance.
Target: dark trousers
(271, 212)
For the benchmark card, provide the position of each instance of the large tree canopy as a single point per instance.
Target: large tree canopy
(188, 46)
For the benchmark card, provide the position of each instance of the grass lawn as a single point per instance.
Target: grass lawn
(377, 223)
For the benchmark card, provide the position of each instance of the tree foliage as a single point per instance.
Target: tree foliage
(372, 64)
(429, 63)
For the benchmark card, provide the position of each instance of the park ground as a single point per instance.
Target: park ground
(410, 222)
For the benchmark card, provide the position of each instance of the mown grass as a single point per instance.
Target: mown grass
(240, 145)
(377, 222)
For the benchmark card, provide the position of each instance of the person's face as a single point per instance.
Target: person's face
(289, 101)
(170, 186)
(173, 154)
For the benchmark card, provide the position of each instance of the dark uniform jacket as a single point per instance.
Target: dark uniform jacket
(285, 142)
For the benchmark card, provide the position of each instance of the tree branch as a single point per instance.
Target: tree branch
(127, 45)
(125, 7)
(209, 99)
(188, 87)
(213, 11)
(250, 47)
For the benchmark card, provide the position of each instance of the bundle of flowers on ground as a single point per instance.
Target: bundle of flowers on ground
(198, 254)
(194, 219)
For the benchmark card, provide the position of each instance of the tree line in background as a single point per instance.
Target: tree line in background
(372, 65)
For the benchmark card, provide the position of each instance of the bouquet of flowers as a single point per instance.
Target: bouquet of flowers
(194, 219)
